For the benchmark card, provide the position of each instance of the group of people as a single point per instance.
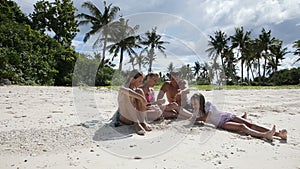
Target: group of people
(138, 106)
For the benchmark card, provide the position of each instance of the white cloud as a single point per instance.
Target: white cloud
(289, 62)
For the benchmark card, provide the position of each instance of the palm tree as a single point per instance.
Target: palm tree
(266, 42)
(186, 72)
(131, 60)
(240, 41)
(170, 67)
(197, 69)
(217, 45)
(153, 42)
(140, 60)
(297, 51)
(230, 63)
(278, 54)
(215, 71)
(123, 39)
(99, 22)
(251, 59)
(204, 73)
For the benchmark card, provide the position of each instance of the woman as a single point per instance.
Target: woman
(132, 103)
(153, 110)
(207, 112)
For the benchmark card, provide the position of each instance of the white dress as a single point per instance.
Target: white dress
(215, 116)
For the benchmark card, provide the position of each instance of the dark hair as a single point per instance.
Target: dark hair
(151, 74)
(201, 99)
(134, 74)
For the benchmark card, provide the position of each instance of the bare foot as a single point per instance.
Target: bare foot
(146, 126)
(269, 135)
(283, 134)
(244, 116)
(139, 129)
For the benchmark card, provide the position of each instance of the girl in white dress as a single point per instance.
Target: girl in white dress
(207, 112)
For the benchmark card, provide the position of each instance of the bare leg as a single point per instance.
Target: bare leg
(139, 129)
(154, 113)
(282, 134)
(233, 126)
(130, 114)
(142, 113)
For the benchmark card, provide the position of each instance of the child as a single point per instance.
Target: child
(205, 111)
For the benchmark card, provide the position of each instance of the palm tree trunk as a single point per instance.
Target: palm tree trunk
(104, 49)
(222, 61)
(242, 71)
(252, 72)
(248, 75)
(231, 72)
(151, 56)
(259, 73)
(121, 60)
(264, 71)
(150, 66)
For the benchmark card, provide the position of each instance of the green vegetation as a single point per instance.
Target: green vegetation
(37, 50)
(238, 87)
(29, 56)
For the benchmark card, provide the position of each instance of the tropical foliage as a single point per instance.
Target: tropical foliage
(297, 51)
(152, 41)
(99, 23)
(262, 53)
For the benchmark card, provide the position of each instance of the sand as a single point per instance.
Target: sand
(65, 127)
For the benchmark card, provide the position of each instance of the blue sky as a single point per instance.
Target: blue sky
(187, 24)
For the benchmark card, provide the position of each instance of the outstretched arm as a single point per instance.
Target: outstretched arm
(202, 118)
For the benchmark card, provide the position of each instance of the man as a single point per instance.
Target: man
(176, 91)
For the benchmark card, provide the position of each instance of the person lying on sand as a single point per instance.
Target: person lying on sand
(207, 112)
(133, 104)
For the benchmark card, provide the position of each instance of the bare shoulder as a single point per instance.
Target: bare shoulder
(139, 90)
(167, 83)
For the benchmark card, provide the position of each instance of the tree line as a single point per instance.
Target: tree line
(37, 49)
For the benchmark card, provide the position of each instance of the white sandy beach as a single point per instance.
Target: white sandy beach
(65, 127)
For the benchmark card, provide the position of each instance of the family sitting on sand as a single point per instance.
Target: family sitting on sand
(137, 105)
